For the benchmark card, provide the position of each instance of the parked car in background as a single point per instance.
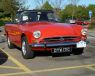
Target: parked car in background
(38, 30)
(80, 22)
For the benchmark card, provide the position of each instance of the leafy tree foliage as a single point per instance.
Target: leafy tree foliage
(81, 12)
(92, 8)
(47, 6)
(9, 7)
(40, 3)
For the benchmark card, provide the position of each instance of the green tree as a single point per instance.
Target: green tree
(74, 5)
(10, 7)
(82, 12)
(92, 8)
(47, 6)
(40, 3)
(1, 10)
(67, 12)
(57, 4)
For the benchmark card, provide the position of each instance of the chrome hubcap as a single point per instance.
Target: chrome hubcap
(24, 47)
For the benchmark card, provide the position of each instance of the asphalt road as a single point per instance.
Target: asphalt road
(13, 64)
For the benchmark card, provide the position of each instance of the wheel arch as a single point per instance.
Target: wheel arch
(24, 35)
(6, 33)
(28, 36)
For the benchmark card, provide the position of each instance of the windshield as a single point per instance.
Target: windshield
(40, 16)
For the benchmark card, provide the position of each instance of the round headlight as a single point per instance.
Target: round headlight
(84, 31)
(37, 34)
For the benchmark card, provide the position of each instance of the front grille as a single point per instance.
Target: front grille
(62, 39)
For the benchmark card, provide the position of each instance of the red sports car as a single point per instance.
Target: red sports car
(39, 30)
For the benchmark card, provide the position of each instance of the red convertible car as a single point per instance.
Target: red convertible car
(39, 30)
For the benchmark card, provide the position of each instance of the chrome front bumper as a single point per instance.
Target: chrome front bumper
(50, 45)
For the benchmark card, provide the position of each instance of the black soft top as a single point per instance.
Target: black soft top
(35, 11)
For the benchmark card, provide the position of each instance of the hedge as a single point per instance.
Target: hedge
(2, 23)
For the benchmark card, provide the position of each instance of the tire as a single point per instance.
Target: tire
(10, 45)
(27, 53)
(77, 51)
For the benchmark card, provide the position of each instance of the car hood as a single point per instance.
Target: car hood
(49, 29)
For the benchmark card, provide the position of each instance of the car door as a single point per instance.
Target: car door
(11, 31)
(16, 30)
(21, 19)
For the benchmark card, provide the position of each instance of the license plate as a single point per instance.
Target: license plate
(81, 44)
(61, 50)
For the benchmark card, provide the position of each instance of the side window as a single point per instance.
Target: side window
(43, 17)
(29, 17)
(25, 17)
(17, 18)
(33, 17)
(50, 16)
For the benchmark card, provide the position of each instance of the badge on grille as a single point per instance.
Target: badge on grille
(61, 38)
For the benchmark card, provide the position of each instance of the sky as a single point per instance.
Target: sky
(32, 3)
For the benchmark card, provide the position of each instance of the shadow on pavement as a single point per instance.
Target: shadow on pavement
(43, 54)
(3, 57)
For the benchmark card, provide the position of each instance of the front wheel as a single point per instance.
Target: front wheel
(77, 51)
(27, 53)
